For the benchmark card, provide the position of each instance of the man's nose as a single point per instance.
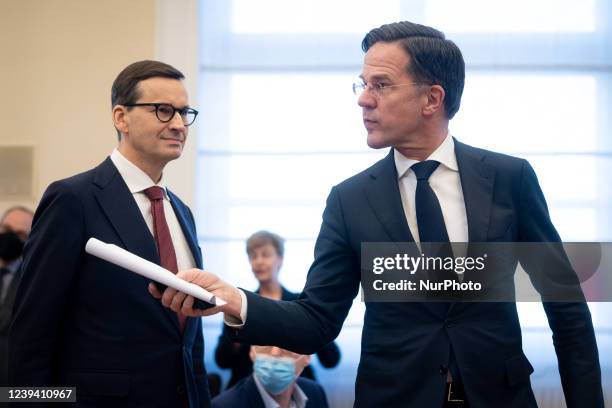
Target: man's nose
(366, 99)
(177, 122)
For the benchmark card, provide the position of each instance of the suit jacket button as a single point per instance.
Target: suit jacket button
(180, 389)
(443, 369)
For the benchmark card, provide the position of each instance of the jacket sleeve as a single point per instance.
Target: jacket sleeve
(329, 355)
(570, 322)
(51, 260)
(229, 353)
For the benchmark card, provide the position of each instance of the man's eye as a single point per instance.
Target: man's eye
(165, 109)
(379, 85)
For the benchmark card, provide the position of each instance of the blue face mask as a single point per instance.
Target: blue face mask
(275, 373)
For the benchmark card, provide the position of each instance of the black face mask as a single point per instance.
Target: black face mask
(11, 246)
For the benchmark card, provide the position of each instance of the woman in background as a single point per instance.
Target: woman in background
(265, 250)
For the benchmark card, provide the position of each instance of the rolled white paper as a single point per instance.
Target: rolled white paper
(125, 259)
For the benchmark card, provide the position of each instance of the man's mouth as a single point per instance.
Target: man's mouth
(173, 139)
(369, 123)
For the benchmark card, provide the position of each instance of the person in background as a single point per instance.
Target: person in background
(15, 226)
(275, 383)
(265, 251)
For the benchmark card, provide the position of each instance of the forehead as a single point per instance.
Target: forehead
(159, 89)
(18, 220)
(281, 352)
(385, 60)
(264, 247)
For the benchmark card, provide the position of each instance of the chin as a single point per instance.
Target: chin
(173, 153)
(377, 142)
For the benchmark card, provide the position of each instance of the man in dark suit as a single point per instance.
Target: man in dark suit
(430, 188)
(276, 382)
(15, 226)
(80, 321)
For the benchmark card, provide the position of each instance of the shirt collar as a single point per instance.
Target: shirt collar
(297, 396)
(445, 154)
(136, 179)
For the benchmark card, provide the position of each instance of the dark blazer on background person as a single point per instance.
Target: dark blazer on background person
(246, 395)
(81, 321)
(235, 356)
(6, 308)
(405, 347)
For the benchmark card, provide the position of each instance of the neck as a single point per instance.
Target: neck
(270, 289)
(153, 170)
(284, 398)
(422, 145)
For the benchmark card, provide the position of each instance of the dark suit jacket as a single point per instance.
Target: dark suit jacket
(79, 320)
(230, 354)
(406, 347)
(246, 395)
(6, 309)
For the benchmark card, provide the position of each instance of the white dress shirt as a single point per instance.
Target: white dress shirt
(138, 181)
(298, 398)
(444, 181)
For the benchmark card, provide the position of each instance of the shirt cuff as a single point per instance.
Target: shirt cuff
(234, 322)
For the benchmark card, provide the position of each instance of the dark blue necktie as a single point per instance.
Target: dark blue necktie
(430, 219)
(429, 214)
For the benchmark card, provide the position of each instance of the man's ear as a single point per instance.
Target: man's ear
(252, 354)
(435, 100)
(301, 363)
(120, 119)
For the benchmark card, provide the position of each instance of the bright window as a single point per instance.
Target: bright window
(280, 125)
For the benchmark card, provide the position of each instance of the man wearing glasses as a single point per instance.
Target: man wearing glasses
(429, 188)
(79, 321)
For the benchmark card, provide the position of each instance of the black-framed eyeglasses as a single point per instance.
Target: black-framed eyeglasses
(165, 112)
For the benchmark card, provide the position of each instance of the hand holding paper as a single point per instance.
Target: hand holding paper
(178, 301)
(156, 273)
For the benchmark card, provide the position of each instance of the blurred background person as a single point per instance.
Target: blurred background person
(15, 226)
(275, 383)
(265, 251)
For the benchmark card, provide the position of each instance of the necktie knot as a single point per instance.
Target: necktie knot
(154, 193)
(423, 169)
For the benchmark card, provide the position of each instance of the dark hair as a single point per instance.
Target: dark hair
(433, 58)
(125, 87)
(261, 238)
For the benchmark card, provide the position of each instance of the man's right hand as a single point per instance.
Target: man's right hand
(180, 302)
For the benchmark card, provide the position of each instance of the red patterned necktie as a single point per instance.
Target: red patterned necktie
(167, 256)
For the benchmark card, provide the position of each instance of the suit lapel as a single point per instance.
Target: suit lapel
(385, 200)
(123, 213)
(477, 178)
(251, 393)
(186, 223)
